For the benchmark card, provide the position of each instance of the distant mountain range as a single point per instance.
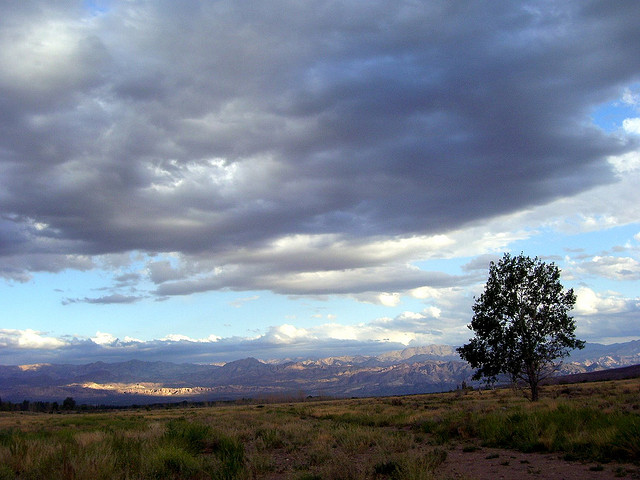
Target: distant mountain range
(427, 369)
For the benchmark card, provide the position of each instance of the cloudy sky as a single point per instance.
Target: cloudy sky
(210, 180)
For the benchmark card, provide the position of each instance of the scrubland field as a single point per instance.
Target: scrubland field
(587, 430)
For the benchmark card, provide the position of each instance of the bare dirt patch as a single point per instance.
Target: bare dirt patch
(495, 463)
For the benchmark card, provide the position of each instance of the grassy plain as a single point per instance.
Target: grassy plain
(373, 438)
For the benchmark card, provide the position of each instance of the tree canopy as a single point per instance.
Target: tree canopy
(521, 322)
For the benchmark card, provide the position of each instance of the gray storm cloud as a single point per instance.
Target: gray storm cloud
(207, 128)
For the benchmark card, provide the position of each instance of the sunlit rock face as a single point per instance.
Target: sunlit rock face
(433, 368)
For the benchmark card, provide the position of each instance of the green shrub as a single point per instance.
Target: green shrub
(582, 433)
(411, 466)
(387, 469)
(309, 476)
(230, 452)
(626, 443)
(7, 473)
(271, 438)
(190, 436)
(171, 462)
(197, 439)
(127, 453)
(6, 437)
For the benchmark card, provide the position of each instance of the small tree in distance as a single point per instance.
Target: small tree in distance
(521, 323)
(69, 403)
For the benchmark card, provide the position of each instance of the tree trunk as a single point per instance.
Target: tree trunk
(534, 391)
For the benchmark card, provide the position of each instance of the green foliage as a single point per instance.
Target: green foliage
(6, 437)
(69, 403)
(626, 442)
(455, 425)
(271, 438)
(231, 454)
(187, 435)
(7, 473)
(363, 419)
(410, 466)
(387, 469)
(309, 476)
(192, 439)
(172, 462)
(521, 322)
(583, 433)
(128, 453)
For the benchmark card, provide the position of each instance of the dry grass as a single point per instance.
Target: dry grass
(396, 438)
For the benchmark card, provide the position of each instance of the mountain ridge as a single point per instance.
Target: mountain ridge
(424, 369)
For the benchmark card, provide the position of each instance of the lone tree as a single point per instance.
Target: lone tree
(521, 323)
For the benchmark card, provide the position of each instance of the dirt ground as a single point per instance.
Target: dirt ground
(496, 464)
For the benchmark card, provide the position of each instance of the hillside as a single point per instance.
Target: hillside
(427, 369)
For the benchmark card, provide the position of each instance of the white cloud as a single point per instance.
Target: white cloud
(631, 125)
(599, 315)
(412, 315)
(630, 98)
(610, 205)
(614, 268)
(450, 299)
(629, 162)
(28, 339)
(382, 330)
(102, 338)
(433, 311)
(424, 293)
(177, 337)
(591, 303)
(128, 339)
(287, 333)
(606, 317)
(389, 299)
(339, 332)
